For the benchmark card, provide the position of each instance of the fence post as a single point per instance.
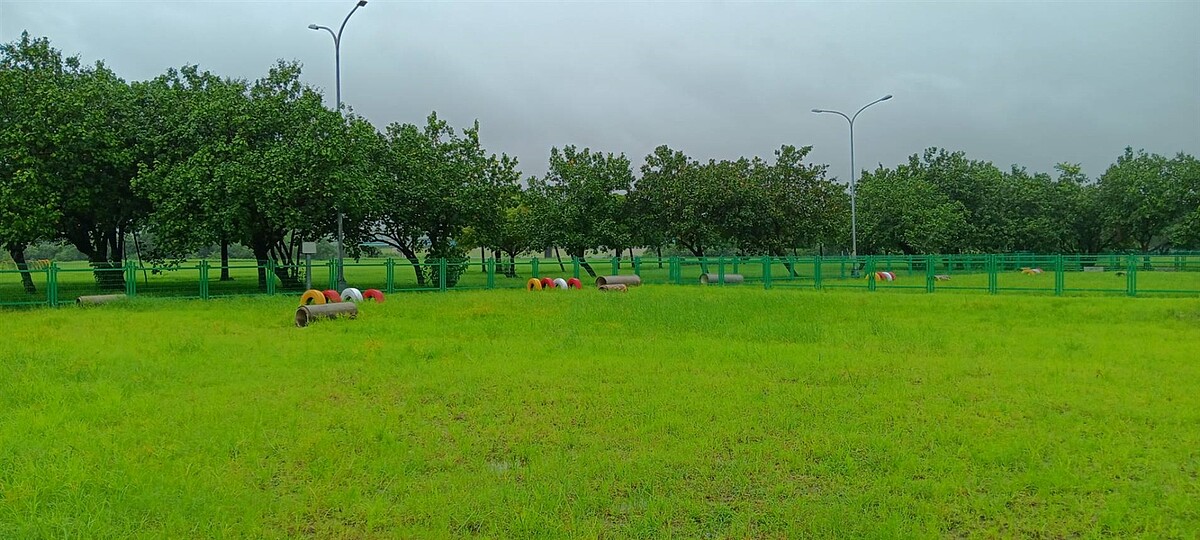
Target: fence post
(491, 272)
(52, 284)
(1059, 275)
(930, 281)
(204, 279)
(674, 267)
(736, 262)
(332, 274)
(390, 275)
(870, 272)
(766, 271)
(616, 265)
(271, 277)
(637, 266)
(130, 278)
(721, 270)
(575, 267)
(1131, 276)
(993, 272)
(533, 267)
(442, 274)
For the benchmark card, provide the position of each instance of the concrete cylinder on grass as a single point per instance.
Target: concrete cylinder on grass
(706, 279)
(99, 299)
(631, 281)
(308, 314)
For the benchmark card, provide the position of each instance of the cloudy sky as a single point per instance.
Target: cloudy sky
(1026, 83)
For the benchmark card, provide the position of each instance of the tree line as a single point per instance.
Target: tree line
(191, 162)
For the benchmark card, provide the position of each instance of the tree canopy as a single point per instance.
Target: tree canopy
(190, 160)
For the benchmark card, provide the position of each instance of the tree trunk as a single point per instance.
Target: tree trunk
(511, 269)
(583, 262)
(288, 274)
(498, 256)
(786, 264)
(699, 253)
(225, 260)
(105, 269)
(658, 251)
(288, 278)
(416, 264)
(17, 252)
(261, 256)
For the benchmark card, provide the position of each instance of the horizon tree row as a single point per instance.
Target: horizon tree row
(189, 161)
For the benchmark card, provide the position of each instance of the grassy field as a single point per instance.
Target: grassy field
(666, 411)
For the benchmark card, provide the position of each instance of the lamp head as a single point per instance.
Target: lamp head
(313, 27)
(818, 110)
(887, 97)
(362, 3)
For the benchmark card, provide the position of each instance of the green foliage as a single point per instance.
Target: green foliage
(1151, 203)
(581, 203)
(191, 160)
(678, 200)
(942, 202)
(900, 211)
(456, 259)
(438, 183)
(791, 204)
(751, 205)
(266, 165)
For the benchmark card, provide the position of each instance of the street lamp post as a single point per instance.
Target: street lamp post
(853, 181)
(337, 62)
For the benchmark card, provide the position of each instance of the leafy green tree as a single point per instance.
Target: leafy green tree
(1138, 203)
(686, 202)
(900, 211)
(30, 96)
(438, 183)
(1032, 213)
(265, 165)
(85, 149)
(199, 117)
(517, 232)
(582, 201)
(1184, 171)
(1076, 204)
(793, 204)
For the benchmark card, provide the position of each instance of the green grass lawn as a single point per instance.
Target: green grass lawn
(666, 411)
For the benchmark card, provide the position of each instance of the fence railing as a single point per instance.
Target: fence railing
(55, 284)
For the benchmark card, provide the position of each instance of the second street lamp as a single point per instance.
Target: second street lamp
(337, 59)
(853, 181)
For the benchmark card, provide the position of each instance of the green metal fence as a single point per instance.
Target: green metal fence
(56, 284)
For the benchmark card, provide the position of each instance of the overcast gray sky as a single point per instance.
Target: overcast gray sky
(1026, 83)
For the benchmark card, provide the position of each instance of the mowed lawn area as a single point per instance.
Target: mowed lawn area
(662, 412)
